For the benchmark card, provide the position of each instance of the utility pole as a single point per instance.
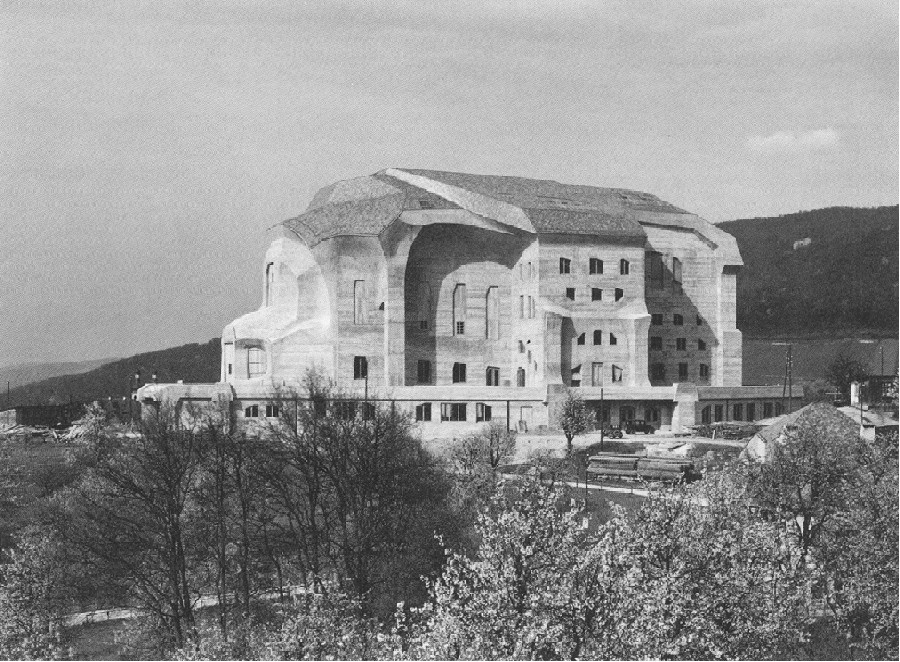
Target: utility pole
(788, 374)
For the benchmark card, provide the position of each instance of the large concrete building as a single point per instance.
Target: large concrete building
(467, 298)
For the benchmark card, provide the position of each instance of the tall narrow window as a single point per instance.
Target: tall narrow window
(597, 374)
(617, 373)
(359, 302)
(624, 267)
(595, 266)
(681, 344)
(612, 339)
(530, 307)
(619, 293)
(656, 271)
(677, 320)
(570, 293)
(682, 371)
(521, 306)
(360, 367)
(459, 373)
(596, 294)
(676, 276)
(565, 265)
(701, 345)
(492, 376)
(459, 309)
(256, 362)
(767, 410)
(423, 304)
(482, 412)
(520, 377)
(751, 411)
(423, 412)
(705, 415)
(270, 283)
(598, 337)
(423, 371)
(738, 412)
(492, 313)
(704, 370)
(718, 413)
(580, 339)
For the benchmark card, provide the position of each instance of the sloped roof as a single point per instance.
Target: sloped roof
(367, 205)
(809, 415)
(741, 392)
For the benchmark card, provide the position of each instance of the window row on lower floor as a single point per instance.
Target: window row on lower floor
(739, 412)
(455, 411)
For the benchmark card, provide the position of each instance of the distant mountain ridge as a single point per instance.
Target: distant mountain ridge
(191, 363)
(27, 373)
(842, 282)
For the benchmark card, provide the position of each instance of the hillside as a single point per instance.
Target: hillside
(192, 363)
(27, 373)
(843, 283)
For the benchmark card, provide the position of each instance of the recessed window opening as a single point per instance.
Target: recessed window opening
(360, 367)
(520, 377)
(701, 344)
(738, 411)
(459, 309)
(492, 376)
(595, 266)
(423, 371)
(597, 373)
(751, 411)
(272, 411)
(426, 204)
(459, 373)
(624, 267)
(619, 293)
(704, 370)
(252, 411)
(767, 410)
(596, 294)
(699, 321)
(530, 307)
(482, 412)
(359, 302)
(677, 320)
(580, 339)
(521, 306)
(682, 371)
(705, 415)
(617, 373)
(423, 412)
(598, 337)
(612, 339)
(718, 413)
(256, 362)
(570, 293)
(492, 313)
(656, 271)
(453, 411)
(681, 344)
(565, 265)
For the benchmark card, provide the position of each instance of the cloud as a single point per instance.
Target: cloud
(784, 142)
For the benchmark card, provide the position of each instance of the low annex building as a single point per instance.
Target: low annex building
(467, 298)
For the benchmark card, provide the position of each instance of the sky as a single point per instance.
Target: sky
(148, 147)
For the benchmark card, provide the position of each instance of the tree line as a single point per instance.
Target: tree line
(404, 555)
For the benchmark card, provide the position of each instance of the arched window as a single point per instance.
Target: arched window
(256, 362)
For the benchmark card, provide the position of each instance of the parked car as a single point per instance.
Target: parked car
(612, 432)
(638, 425)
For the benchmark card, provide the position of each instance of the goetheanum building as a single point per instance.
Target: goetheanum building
(468, 298)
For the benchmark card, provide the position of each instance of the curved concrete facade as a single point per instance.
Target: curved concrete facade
(443, 288)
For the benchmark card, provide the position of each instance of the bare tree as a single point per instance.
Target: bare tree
(574, 418)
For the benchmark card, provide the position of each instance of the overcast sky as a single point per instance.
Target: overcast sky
(147, 147)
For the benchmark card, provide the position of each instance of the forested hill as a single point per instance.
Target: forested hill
(843, 283)
(192, 363)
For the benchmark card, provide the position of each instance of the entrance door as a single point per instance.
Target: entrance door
(626, 414)
(525, 419)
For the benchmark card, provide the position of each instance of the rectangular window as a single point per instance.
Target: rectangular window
(459, 309)
(360, 367)
(598, 337)
(767, 410)
(738, 412)
(252, 411)
(565, 265)
(657, 372)
(676, 276)
(612, 339)
(423, 412)
(423, 325)
(272, 411)
(520, 377)
(359, 302)
(619, 293)
(575, 382)
(492, 376)
(596, 294)
(779, 408)
(718, 412)
(570, 293)
(482, 412)
(704, 370)
(256, 362)
(423, 371)
(655, 343)
(617, 373)
(656, 319)
(270, 281)
(701, 345)
(530, 307)
(682, 371)
(595, 266)
(521, 306)
(492, 313)
(597, 374)
(580, 339)
(453, 411)
(677, 320)
(681, 344)
(751, 411)
(521, 347)
(229, 368)
(459, 373)
(656, 271)
(624, 267)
